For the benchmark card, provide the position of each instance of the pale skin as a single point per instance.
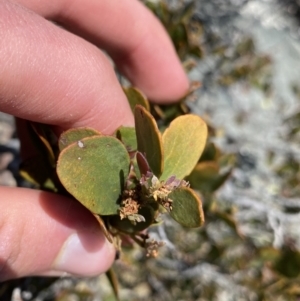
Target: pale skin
(60, 77)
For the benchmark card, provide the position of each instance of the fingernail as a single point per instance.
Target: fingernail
(86, 254)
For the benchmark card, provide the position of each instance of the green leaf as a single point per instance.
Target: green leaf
(39, 172)
(183, 144)
(136, 97)
(94, 171)
(167, 113)
(128, 136)
(186, 207)
(289, 263)
(73, 135)
(179, 35)
(149, 139)
(207, 178)
(210, 153)
(227, 218)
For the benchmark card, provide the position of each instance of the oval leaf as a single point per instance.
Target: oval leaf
(94, 170)
(288, 263)
(210, 153)
(186, 207)
(136, 97)
(207, 178)
(149, 139)
(227, 218)
(183, 144)
(128, 137)
(73, 135)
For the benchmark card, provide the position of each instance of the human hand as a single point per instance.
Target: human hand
(60, 77)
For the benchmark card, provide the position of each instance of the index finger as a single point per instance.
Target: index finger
(132, 36)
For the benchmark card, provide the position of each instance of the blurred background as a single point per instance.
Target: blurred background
(246, 54)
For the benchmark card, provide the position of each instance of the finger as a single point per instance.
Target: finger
(52, 76)
(42, 233)
(131, 34)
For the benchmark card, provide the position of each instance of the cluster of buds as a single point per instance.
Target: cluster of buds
(152, 247)
(152, 188)
(160, 190)
(130, 207)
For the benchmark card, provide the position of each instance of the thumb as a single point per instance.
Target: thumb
(42, 233)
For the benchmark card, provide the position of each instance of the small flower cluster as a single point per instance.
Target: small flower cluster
(130, 206)
(152, 247)
(160, 190)
(154, 189)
